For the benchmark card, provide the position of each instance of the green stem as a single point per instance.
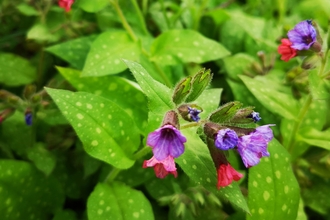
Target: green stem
(140, 16)
(297, 123)
(193, 124)
(144, 7)
(123, 20)
(141, 153)
(164, 14)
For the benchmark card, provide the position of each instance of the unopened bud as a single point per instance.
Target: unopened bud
(29, 90)
(310, 62)
(6, 114)
(317, 47)
(171, 117)
(190, 112)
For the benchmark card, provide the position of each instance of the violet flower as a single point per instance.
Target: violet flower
(166, 141)
(255, 116)
(253, 146)
(226, 139)
(303, 35)
(194, 114)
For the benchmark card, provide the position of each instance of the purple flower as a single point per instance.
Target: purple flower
(166, 141)
(193, 113)
(255, 116)
(303, 35)
(226, 139)
(28, 118)
(253, 146)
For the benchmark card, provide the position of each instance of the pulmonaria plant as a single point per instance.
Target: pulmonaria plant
(303, 37)
(230, 127)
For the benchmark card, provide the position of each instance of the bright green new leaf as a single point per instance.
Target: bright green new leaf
(27, 10)
(315, 137)
(106, 53)
(108, 133)
(74, 51)
(121, 91)
(117, 201)
(181, 90)
(25, 192)
(41, 32)
(273, 189)
(199, 83)
(187, 46)
(15, 70)
(92, 6)
(43, 159)
(225, 112)
(275, 101)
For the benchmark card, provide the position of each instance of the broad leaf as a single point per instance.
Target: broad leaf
(117, 201)
(122, 92)
(93, 6)
(275, 101)
(225, 112)
(74, 51)
(106, 130)
(106, 53)
(273, 189)
(320, 88)
(315, 137)
(237, 65)
(187, 46)
(15, 70)
(25, 193)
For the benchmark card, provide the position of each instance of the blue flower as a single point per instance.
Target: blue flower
(303, 35)
(166, 141)
(226, 139)
(28, 118)
(193, 114)
(253, 146)
(255, 116)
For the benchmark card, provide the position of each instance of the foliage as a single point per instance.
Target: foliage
(82, 88)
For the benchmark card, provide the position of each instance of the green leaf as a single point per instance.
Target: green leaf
(27, 10)
(92, 6)
(106, 53)
(275, 101)
(40, 32)
(320, 88)
(196, 162)
(225, 112)
(15, 70)
(199, 83)
(117, 201)
(73, 51)
(209, 100)
(273, 189)
(106, 130)
(66, 214)
(181, 90)
(43, 159)
(25, 193)
(315, 137)
(187, 46)
(237, 64)
(122, 92)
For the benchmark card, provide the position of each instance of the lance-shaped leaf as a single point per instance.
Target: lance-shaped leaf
(273, 189)
(25, 192)
(225, 112)
(199, 83)
(181, 90)
(243, 118)
(315, 137)
(108, 133)
(117, 201)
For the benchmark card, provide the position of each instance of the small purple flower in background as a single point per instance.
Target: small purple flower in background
(253, 146)
(303, 35)
(226, 139)
(166, 141)
(28, 118)
(193, 113)
(255, 116)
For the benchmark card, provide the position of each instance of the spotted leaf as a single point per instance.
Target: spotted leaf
(25, 192)
(108, 133)
(174, 46)
(273, 189)
(106, 53)
(117, 201)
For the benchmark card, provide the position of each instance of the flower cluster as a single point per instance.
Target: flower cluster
(167, 142)
(65, 4)
(302, 37)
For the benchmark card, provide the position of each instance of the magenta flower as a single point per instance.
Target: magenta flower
(226, 175)
(253, 146)
(303, 35)
(65, 4)
(226, 139)
(162, 168)
(166, 141)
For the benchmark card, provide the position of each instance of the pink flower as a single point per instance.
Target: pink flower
(65, 4)
(162, 168)
(286, 50)
(226, 175)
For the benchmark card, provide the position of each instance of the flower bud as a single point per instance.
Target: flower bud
(171, 118)
(190, 112)
(310, 62)
(29, 90)
(6, 114)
